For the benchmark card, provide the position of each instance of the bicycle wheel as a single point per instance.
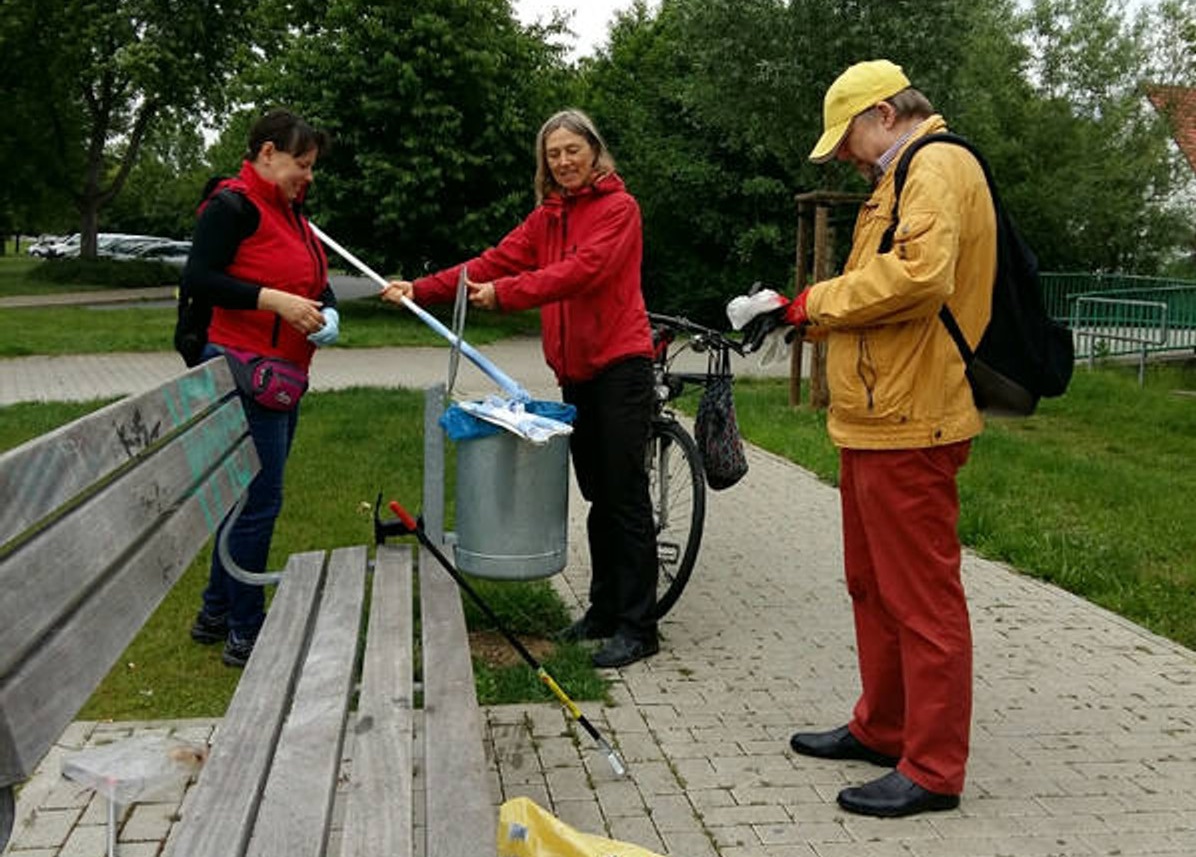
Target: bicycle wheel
(678, 491)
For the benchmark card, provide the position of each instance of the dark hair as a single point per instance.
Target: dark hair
(287, 132)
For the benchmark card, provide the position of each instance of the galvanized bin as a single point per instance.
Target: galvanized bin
(512, 506)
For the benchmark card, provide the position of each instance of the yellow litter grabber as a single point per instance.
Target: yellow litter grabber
(405, 524)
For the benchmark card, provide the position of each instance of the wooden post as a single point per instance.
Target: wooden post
(814, 228)
(819, 394)
(801, 278)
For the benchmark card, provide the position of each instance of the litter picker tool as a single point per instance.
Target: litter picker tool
(508, 384)
(407, 524)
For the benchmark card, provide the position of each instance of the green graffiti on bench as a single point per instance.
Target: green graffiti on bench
(235, 474)
(192, 394)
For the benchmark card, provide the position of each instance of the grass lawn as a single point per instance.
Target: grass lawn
(350, 444)
(1093, 493)
(365, 323)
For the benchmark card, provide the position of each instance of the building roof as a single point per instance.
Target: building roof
(1178, 104)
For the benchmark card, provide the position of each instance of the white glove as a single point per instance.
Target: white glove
(744, 308)
(330, 332)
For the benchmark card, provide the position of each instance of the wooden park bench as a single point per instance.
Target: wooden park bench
(102, 516)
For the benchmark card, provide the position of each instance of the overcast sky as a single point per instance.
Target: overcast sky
(590, 18)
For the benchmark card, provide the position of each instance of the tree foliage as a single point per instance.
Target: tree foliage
(433, 106)
(710, 107)
(93, 80)
(715, 104)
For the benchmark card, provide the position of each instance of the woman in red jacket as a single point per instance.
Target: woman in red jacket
(577, 257)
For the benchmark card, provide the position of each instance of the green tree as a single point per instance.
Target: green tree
(713, 105)
(433, 106)
(163, 188)
(1099, 174)
(95, 79)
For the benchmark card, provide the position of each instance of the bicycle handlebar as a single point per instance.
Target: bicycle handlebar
(707, 336)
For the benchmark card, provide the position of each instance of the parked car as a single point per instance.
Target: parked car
(68, 246)
(117, 245)
(42, 246)
(171, 252)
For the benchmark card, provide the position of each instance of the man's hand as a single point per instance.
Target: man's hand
(795, 313)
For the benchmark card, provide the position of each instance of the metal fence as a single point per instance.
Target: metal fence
(1117, 315)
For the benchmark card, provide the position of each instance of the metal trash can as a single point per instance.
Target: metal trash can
(512, 504)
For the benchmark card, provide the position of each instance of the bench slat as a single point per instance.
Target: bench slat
(461, 817)
(221, 807)
(297, 805)
(379, 814)
(46, 577)
(51, 469)
(41, 695)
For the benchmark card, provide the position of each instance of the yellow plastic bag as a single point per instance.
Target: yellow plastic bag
(527, 830)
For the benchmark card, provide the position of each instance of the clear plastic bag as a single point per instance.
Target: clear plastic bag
(526, 829)
(134, 769)
(536, 420)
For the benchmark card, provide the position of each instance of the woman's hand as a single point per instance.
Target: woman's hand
(301, 313)
(396, 290)
(482, 295)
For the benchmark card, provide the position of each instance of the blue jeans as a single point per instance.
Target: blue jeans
(249, 538)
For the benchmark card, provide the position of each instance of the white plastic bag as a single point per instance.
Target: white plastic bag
(134, 769)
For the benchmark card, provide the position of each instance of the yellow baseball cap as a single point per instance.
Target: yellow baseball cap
(863, 85)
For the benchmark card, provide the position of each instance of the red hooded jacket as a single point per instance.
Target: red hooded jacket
(577, 257)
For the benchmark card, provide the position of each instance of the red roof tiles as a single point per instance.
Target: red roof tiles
(1178, 104)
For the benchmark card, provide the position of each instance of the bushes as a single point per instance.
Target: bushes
(118, 273)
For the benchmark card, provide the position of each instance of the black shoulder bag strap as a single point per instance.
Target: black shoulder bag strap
(886, 242)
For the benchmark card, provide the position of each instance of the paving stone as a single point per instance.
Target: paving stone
(1084, 726)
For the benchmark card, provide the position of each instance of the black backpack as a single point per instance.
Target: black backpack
(1023, 354)
(194, 315)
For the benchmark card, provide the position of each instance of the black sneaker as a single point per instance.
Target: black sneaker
(585, 629)
(621, 650)
(209, 629)
(237, 650)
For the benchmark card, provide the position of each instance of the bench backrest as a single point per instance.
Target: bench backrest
(98, 520)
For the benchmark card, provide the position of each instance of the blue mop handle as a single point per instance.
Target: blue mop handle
(509, 385)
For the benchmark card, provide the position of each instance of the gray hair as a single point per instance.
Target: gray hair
(911, 102)
(579, 123)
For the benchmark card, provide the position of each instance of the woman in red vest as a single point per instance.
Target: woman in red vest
(256, 283)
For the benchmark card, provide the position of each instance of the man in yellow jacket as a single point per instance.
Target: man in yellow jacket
(902, 415)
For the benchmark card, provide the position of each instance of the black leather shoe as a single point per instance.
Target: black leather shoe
(585, 629)
(621, 650)
(892, 796)
(838, 744)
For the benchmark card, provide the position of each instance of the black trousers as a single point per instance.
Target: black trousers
(608, 446)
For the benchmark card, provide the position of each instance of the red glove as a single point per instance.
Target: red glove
(795, 313)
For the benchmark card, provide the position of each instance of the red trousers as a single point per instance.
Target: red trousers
(913, 636)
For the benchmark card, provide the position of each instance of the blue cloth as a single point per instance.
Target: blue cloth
(330, 332)
(459, 425)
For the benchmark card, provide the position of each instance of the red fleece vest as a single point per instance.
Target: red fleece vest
(282, 254)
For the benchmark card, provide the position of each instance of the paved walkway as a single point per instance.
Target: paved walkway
(1084, 734)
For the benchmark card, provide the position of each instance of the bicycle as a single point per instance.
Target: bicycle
(676, 479)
